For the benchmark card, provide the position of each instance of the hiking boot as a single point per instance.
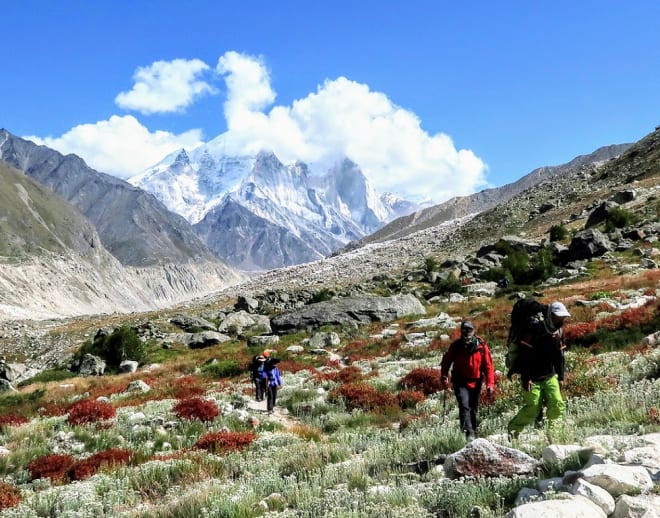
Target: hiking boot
(470, 436)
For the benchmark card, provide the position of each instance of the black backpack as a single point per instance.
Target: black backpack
(523, 313)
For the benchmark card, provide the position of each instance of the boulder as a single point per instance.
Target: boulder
(192, 324)
(573, 507)
(348, 311)
(12, 371)
(241, 322)
(205, 339)
(91, 365)
(617, 479)
(642, 506)
(128, 366)
(587, 244)
(484, 458)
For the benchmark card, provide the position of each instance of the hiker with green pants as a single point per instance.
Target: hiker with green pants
(541, 362)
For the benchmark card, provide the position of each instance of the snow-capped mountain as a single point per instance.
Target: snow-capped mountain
(258, 213)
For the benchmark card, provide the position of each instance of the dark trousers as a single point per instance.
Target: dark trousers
(259, 388)
(271, 396)
(468, 403)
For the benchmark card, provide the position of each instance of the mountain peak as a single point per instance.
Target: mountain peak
(181, 160)
(267, 159)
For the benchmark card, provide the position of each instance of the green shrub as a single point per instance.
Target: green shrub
(322, 295)
(431, 265)
(526, 269)
(496, 274)
(449, 285)
(558, 233)
(122, 344)
(223, 369)
(619, 218)
(57, 374)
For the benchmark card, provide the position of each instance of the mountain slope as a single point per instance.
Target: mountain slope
(53, 259)
(462, 206)
(564, 199)
(136, 228)
(34, 221)
(310, 213)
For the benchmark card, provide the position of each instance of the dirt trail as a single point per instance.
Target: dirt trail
(279, 415)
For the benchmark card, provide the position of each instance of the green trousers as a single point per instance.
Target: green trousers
(547, 390)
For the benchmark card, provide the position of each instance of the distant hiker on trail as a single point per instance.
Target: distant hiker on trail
(472, 365)
(256, 368)
(540, 362)
(273, 380)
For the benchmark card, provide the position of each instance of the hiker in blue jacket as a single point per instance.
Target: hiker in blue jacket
(542, 369)
(273, 381)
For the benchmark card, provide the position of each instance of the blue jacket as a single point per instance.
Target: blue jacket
(273, 377)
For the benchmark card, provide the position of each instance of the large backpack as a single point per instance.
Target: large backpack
(523, 313)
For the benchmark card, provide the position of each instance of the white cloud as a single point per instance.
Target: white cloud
(120, 146)
(342, 118)
(165, 86)
(345, 118)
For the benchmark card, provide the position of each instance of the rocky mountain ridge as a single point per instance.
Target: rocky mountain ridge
(481, 201)
(55, 262)
(258, 213)
(567, 198)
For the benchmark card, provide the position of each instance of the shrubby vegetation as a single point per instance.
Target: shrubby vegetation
(362, 437)
(618, 217)
(122, 344)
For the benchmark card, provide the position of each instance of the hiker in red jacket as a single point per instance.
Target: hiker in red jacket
(473, 365)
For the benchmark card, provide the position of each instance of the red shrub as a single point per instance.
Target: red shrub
(409, 398)
(350, 374)
(54, 409)
(220, 442)
(188, 387)
(106, 388)
(87, 467)
(294, 366)
(12, 420)
(654, 415)
(196, 408)
(578, 330)
(10, 496)
(363, 396)
(90, 411)
(54, 467)
(426, 380)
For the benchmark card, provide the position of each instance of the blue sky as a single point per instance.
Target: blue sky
(431, 98)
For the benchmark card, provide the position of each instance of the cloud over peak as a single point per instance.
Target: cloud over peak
(342, 118)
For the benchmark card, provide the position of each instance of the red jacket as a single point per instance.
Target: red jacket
(472, 363)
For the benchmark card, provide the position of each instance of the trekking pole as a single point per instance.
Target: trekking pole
(444, 405)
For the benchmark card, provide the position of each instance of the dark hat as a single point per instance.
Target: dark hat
(467, 325)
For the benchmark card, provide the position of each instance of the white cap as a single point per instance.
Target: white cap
(558, 309)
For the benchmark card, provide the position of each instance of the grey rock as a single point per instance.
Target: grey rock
(205, 339)
(263, 340)
(128, 366)
(191, 324)
(587, 244)
(484, 458)
(351, 310)
(91, 365)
